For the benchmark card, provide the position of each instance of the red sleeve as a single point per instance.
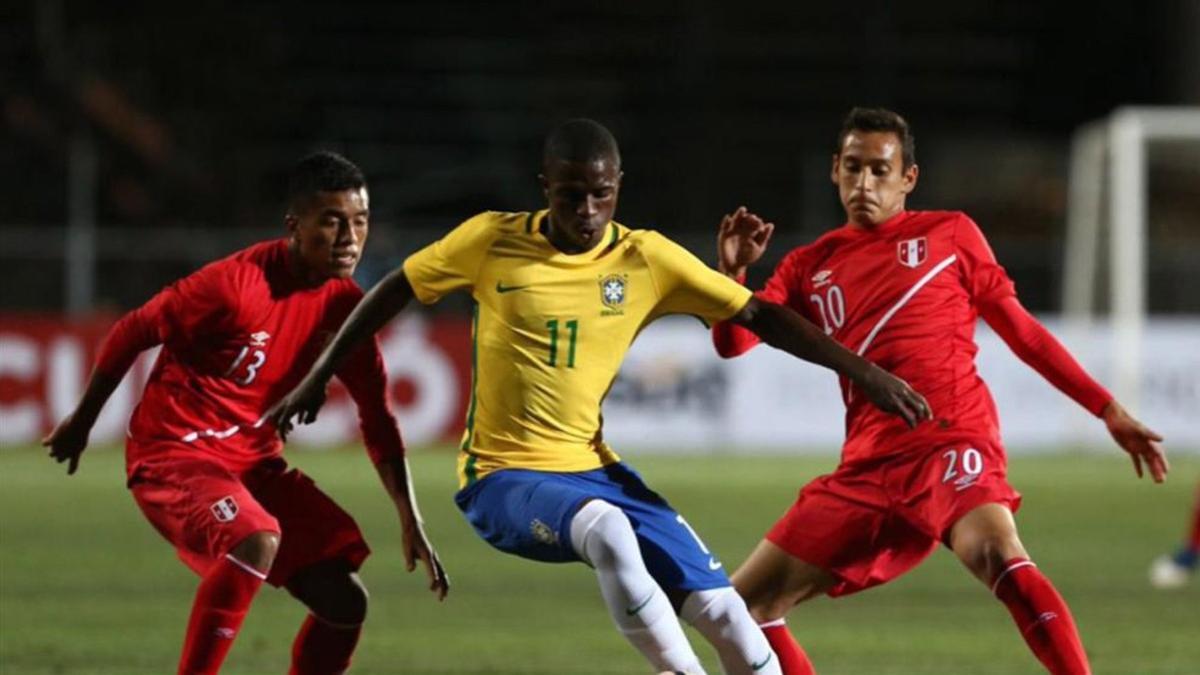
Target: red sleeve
(1036, 346)
(731, 339)
(365, 377)
(198, 304)
(134, 333)
(985, 278)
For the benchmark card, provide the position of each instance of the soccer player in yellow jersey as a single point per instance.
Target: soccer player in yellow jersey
(560, 295)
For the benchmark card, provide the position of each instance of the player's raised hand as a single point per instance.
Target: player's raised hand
(303, 403)
(741, 241)
(1141, 443)
(417, 547)
(68, 441)
(892, 394)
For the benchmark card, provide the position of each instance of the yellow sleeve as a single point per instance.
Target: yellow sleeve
(687, 286)
(451, 262)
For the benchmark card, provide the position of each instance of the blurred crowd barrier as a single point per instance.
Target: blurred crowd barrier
(673, 395)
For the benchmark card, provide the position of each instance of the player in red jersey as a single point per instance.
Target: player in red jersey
(904, 289)
(208, 473)
(1173, 571)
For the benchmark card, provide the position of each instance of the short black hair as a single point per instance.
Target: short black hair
(322, 171)
(880, 119)
(580, 140)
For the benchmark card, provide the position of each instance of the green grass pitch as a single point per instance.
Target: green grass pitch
(86, 586)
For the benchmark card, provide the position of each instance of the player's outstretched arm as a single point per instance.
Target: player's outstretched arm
(1037, 347)
(784, 329)
(130, 336)
(397, 480)
(365, 378)
(377, 307)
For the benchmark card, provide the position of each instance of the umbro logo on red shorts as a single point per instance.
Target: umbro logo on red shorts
(224, 509)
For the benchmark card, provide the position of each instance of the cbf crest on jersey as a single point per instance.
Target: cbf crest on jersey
(912, 252)
(612, 293)
(543, 532)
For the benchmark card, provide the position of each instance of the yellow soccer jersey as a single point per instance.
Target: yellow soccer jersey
(551, 329)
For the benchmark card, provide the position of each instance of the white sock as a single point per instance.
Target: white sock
(721, 616)
(604, 538)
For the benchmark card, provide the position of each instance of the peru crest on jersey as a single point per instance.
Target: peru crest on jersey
(912, 252)
(224, 509)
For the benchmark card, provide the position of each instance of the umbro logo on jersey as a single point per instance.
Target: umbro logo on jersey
(821, 278)
(912, 252)
(501, 288)
(224, 509)
(259, 339)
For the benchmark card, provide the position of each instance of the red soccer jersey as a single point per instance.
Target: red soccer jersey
(906, 296)
(237, 335)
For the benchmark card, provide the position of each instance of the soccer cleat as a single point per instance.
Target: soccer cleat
(1167, 572)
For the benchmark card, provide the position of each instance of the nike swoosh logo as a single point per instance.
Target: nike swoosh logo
(761, 664)
(501, 288)
(634, 610)
(714, 565)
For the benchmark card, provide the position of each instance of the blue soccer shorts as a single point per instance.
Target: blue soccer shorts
(528, 514)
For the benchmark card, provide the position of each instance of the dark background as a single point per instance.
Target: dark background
(194, 110)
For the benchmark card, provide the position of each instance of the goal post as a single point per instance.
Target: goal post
(1107, 187)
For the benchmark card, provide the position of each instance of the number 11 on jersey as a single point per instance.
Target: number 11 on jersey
(573, 330)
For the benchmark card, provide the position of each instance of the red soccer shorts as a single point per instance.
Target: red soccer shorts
(871, 522)
(204, 511)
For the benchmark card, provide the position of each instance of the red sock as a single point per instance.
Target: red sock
(1194, 542)
(792, 659)
(1042, 617)
(323, 648)
(222, 600)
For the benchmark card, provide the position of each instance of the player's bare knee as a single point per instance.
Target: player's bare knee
(774, 602)
(760, 600)
(985, 554)
(985, 540)
(772, 609)
(257, 550)
(753, 595)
